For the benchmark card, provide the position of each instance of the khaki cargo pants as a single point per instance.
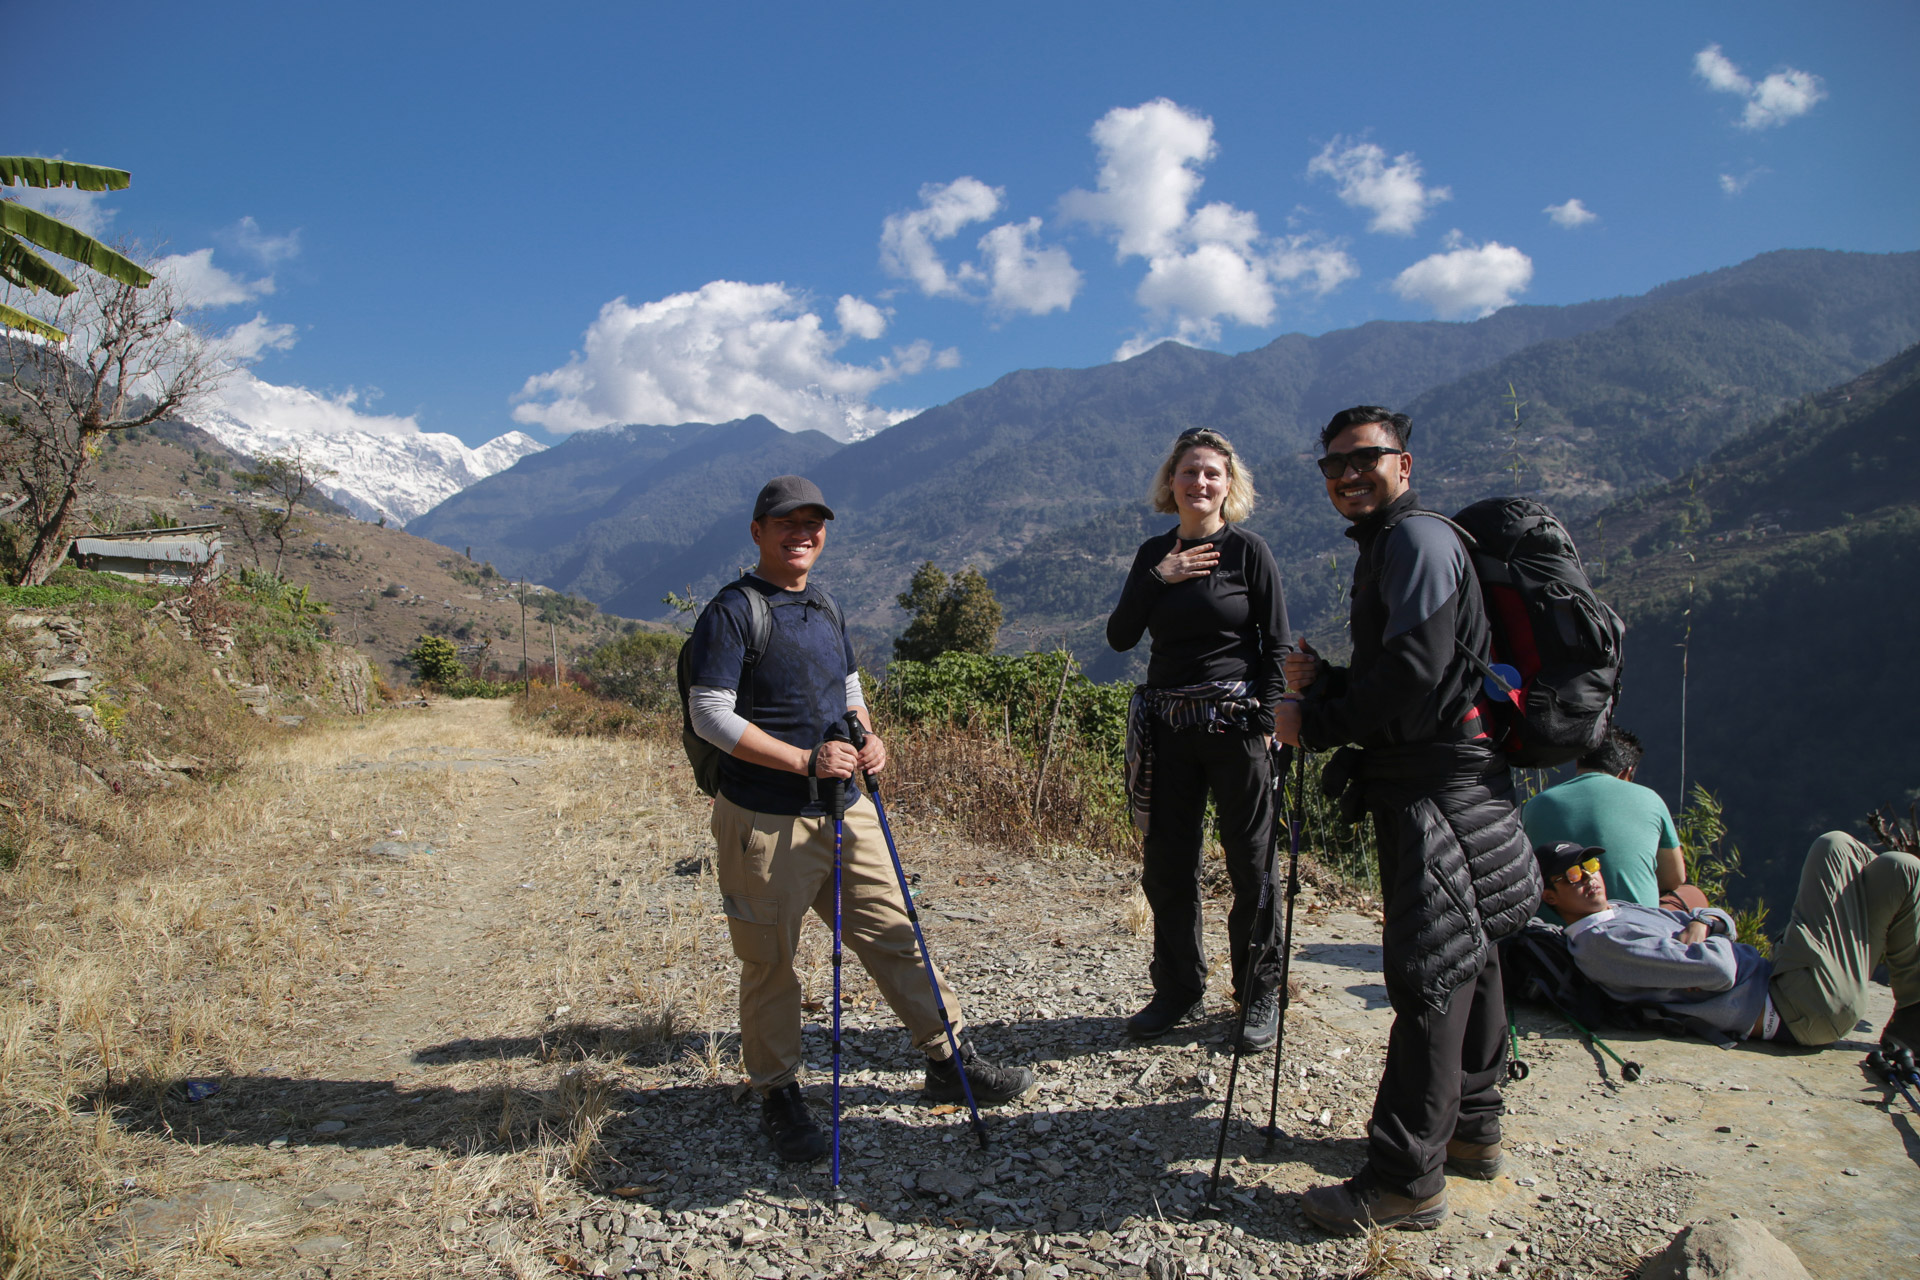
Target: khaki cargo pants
(1855, 909)
(772, 869)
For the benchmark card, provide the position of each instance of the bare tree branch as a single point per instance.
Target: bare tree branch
(132, 358)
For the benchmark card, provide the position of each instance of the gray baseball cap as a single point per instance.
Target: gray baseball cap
(786, 494)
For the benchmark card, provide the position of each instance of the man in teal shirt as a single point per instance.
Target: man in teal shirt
(1603, 806)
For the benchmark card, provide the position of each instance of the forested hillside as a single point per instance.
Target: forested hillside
(1788, 566)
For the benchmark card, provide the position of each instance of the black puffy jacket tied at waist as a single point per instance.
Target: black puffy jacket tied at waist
(1456, 872)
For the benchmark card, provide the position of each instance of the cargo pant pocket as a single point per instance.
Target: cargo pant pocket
(754, 924)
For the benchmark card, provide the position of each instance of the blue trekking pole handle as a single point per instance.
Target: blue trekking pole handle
(858, 732)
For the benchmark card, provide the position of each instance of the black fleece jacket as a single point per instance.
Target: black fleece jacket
(1229, 625)
(1415, 603)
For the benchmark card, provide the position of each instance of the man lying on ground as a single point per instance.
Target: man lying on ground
(1854, 910)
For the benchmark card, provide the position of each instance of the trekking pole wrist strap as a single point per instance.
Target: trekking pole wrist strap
(813, 761)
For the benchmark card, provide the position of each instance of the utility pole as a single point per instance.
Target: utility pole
(553, 638)
(522, 593)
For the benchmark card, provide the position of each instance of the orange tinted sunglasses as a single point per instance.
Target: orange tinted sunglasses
(1577, 872)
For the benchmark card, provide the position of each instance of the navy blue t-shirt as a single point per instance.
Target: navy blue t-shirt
(799, 687)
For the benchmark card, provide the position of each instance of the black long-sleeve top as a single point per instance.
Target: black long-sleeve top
(1416, 614)
(1229, 625)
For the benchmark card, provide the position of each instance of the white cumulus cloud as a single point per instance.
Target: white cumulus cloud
(1023, 275)
(1015, 272)
(1204, 265)
(1571, 214)
(1775, 100)
(245, 236)
(723, 351)
(205, 285)
(296, 411)
(1149, 174)
(1466, 279)
(907, 239)
(859, 317)
(1734, 183)
(1391, 190)
(248, 341)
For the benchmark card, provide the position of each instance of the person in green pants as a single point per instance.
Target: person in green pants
(1855, 909)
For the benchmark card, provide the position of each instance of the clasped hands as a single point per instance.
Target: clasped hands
(838, 759)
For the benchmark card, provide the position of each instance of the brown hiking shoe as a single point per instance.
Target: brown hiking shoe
(1479, 1160)
(1349, 1208)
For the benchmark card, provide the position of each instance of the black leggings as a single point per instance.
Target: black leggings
(1187, 764)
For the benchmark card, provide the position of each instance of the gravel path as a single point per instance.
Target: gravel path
(542, 1080)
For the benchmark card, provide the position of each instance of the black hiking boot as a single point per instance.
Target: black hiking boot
(1162, 1014)
(992, 1085)
(1263, 1023)
(797, 1137)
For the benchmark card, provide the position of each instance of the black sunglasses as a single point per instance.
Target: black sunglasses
(1363, 461)
(1191, 432)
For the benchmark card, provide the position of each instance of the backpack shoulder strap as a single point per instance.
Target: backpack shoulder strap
(1468, 539)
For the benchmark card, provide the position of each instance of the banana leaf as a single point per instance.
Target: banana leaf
(11, 319)
(56, 236)
(37, 171)
(21, 266)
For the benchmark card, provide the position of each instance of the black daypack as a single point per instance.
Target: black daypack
(701, 754)
(1536, 968)
(1549, 627)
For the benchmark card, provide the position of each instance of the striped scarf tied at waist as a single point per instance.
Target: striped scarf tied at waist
(1218, 706)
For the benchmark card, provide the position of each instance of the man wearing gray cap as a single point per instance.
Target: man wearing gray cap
(770, 716)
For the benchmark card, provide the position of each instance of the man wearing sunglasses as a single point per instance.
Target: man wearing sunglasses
(1855, 909)
(1456, 873)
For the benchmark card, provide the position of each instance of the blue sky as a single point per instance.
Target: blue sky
(427, 214)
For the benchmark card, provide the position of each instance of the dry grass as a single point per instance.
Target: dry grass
(210, 930)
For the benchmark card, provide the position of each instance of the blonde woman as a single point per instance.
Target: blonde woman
(1208, 592)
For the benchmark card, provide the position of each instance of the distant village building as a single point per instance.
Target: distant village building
(168, 556)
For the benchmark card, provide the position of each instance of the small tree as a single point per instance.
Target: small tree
(131, 359)
(436, 661)
(290, 477)
(957, 615)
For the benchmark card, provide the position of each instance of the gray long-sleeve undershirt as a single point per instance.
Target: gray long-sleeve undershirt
(714, 718)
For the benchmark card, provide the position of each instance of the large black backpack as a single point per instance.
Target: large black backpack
(701, 754)
(1566, 646)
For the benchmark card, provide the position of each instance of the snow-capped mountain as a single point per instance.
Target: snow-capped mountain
(382, 465)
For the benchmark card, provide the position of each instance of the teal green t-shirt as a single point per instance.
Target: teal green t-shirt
(1628, 820)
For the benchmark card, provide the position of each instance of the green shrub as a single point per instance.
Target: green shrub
(436, 661)
(469, 687)
(638, 669)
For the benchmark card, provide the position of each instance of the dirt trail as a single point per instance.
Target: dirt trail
(451, 937)
(534, 1074)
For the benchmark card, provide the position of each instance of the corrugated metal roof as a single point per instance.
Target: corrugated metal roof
(178, 550)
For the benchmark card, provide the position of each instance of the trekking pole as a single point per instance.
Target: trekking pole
(1263, 927)
(1296, 825)
(1629, 1071)
(858, 732)
(838, 807)
(1517, 1069)
(1890, 1070)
